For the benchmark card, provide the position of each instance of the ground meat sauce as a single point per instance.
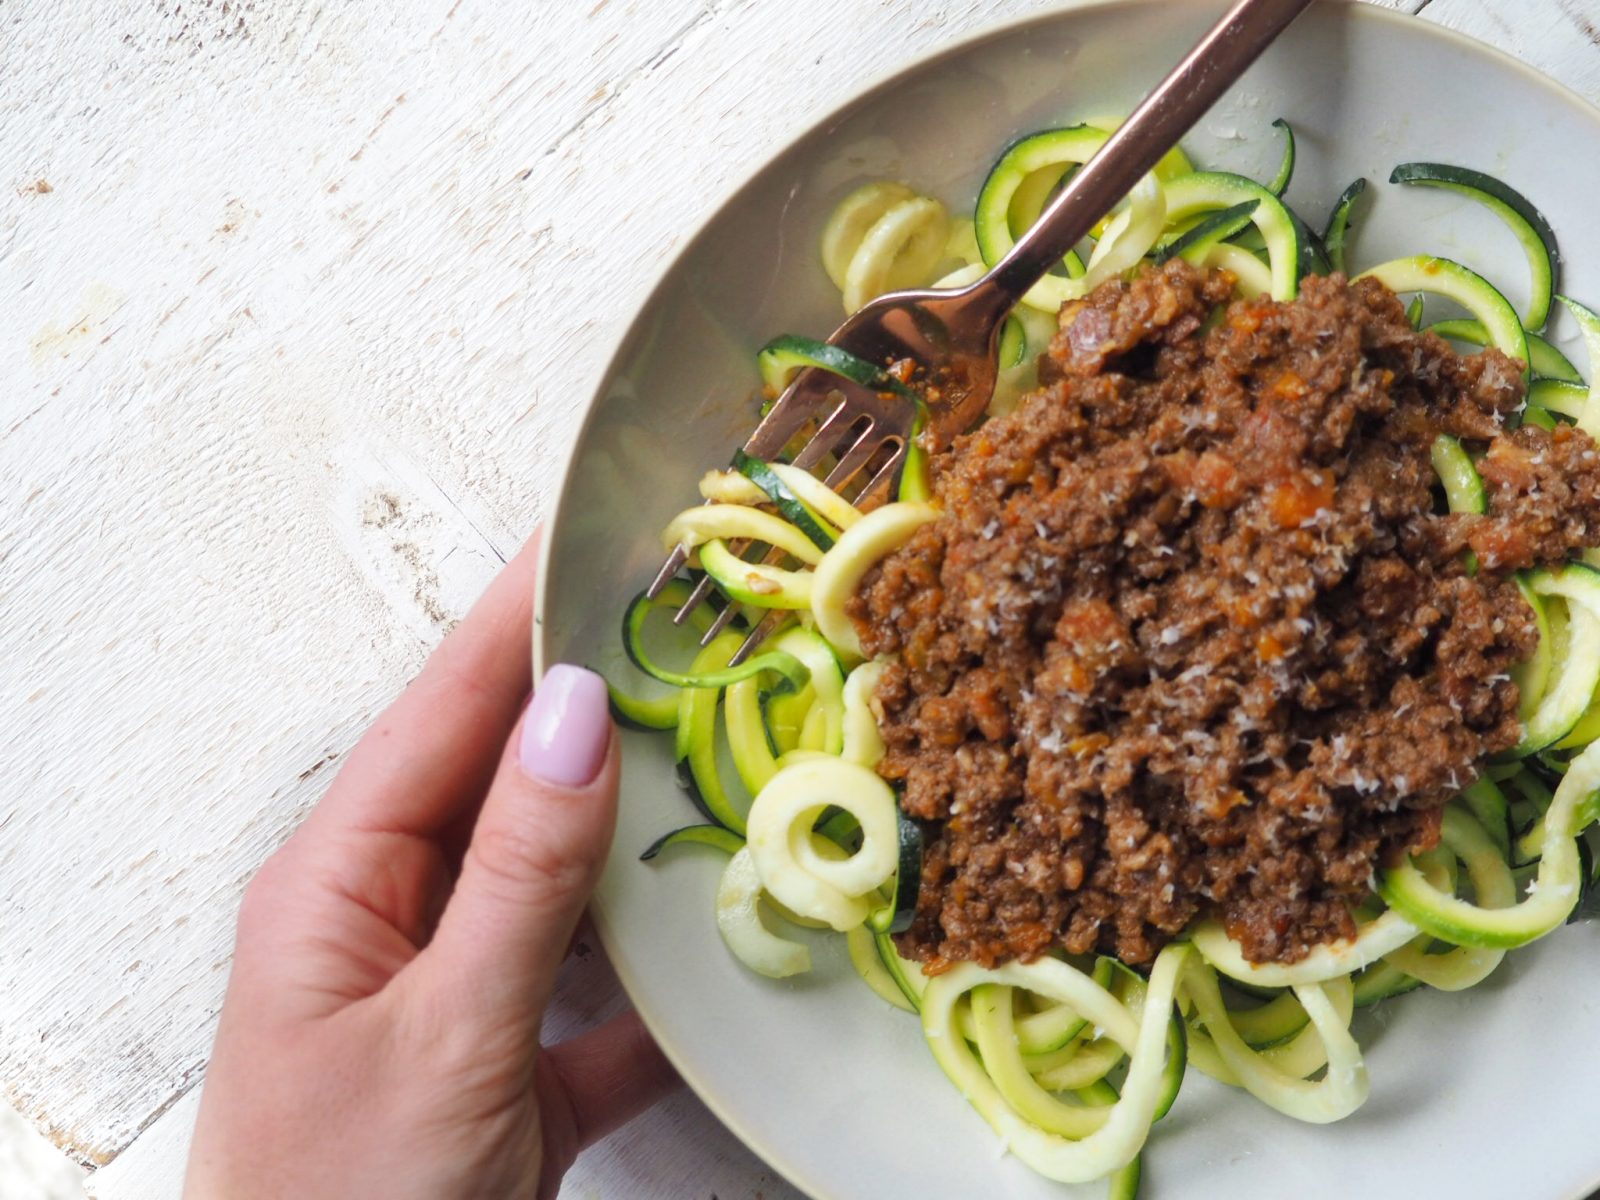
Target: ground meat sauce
(1193, 634)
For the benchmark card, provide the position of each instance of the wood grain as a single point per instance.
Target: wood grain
(1559, 37)
(307, 297)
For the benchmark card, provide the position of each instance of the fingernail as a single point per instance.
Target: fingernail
(567, 729)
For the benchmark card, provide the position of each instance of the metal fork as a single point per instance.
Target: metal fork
(953, 336)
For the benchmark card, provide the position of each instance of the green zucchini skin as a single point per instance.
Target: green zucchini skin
(1124, 1184)
(793, 671)
(684, 773)
(896, 916)
(788, 353)
(1488, 804)
(1177, 1063)
(714, 836)
(1218, 227)
(1381, 981)
(1569, 692)
(910, 982)
(1546, 362)
(1280, 181)
(650, 716)
(1585, 908)
(1206, 192)
(1538, 416)
(1314, 257)
(1588, 418)
(658, 713)
(1526, 222)
(916, 484)
(1066, 148)
(790, 507)
(1463, 486)
(1336, 233)
(1445, 277)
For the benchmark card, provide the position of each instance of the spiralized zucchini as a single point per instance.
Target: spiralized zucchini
(1118, 1135)
(1341, 1090)
(739, 922)
(793, 859)
(881, 238)
(842, 568)
(1071, 1063)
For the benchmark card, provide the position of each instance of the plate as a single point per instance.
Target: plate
(1478, 1094)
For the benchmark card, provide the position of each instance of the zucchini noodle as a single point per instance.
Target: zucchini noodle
(863, 744)
(993, 1022)
(739, 922)
(788, 852)
(1120, 1134)
(841, 569)
(1072, 1062)
(1254, 276)
(1049, 1027)
(881, 238)
(1342, 1089)
(1332, 960)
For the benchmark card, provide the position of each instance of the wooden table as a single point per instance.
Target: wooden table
(305, 298)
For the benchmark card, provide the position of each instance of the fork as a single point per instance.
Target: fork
(953, 336)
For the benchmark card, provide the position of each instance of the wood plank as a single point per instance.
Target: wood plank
(152, 1167)
(221, 551)
(1559, 37)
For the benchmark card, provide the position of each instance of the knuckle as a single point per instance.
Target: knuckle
(531, 865)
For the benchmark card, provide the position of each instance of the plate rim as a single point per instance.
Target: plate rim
(796, 1174)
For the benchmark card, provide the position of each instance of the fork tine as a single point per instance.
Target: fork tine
(844, 416)
(702, 589)
(843, 421)
(721, 623)
(671, 567)
(789, 415)
(856, 457)
(884, 478)
(759, 634)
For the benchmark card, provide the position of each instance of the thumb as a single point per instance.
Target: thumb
(535, 854)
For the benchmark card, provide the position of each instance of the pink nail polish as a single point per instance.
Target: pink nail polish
(567, 728)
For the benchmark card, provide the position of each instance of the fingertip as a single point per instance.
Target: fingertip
(567, 728)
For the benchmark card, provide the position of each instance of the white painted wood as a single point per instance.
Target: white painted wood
(1559, 37)
(303, 299)
(30, 1167)
(152, 1166)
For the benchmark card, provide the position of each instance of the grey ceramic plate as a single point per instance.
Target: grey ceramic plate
(1482, 1094)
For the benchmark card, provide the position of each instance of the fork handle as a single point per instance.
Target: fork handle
(1165, 116)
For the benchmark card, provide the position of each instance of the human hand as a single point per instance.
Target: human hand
(380, 1035)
